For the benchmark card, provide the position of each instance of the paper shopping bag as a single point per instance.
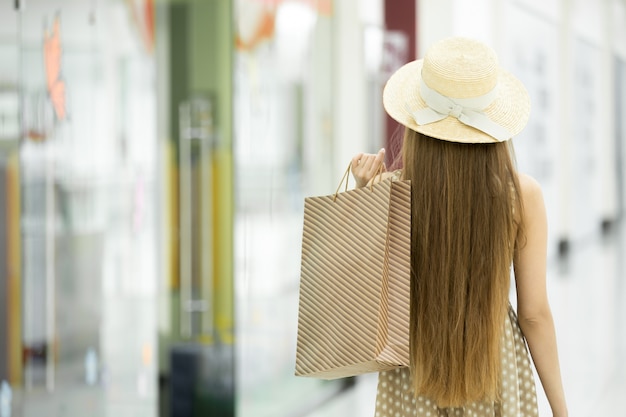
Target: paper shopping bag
(354, 286)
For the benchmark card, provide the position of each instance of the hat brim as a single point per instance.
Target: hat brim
(510, 108)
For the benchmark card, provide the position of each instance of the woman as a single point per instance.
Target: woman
(473, 217)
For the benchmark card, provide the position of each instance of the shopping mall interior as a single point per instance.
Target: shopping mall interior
(154, 160)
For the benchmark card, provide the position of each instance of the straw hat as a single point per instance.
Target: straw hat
(458, 93)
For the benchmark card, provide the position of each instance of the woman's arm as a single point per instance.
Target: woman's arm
(365, 166)
(535, 316)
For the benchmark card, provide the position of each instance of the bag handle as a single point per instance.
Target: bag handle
(346, 178)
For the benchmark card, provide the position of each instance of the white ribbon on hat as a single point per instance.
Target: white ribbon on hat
(468, 111)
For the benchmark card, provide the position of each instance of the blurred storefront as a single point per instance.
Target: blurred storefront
(154, 157)
(308, 85)
(79, 224)
(283, 114)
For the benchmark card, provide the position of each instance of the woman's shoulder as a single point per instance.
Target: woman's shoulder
(530, 190)
(529, 185)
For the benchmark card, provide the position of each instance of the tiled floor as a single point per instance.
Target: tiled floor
(587, 291)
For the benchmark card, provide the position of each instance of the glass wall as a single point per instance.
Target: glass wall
(82, 173)
(154, 159)
(10, 266)
(283, 144)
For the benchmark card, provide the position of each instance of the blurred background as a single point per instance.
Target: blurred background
(154, 159)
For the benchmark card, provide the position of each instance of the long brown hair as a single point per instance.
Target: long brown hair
(466, 206)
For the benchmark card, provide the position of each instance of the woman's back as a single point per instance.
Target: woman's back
(464, 201)
(473, 218)
(515, 393)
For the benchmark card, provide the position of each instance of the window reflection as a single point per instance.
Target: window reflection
(283, 142)
(77, 185)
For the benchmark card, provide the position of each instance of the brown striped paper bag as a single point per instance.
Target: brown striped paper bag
(354, 284)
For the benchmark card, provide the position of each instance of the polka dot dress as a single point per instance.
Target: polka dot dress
(519, 398)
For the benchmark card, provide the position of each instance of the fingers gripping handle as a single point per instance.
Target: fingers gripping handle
(346, 178)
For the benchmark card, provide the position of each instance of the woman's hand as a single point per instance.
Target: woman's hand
(366, 165)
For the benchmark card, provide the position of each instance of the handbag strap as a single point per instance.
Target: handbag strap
(346, 178)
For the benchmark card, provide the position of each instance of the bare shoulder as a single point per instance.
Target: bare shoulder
(528, 183)
(531, 193)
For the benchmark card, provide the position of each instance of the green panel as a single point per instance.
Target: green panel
(211, 51)
(201, 65)
(179, 66)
